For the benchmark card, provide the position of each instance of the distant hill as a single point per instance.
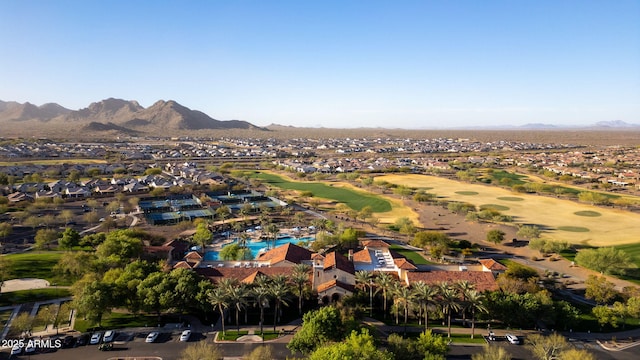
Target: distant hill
(112, 116)
(615, 124)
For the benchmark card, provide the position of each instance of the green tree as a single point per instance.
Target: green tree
(6, 229)
(430, 343)
(474, 301)
(384, 281)
(576, 354)
(202, 235)
(601, 290)
(260, 353)
(547, 347)
(319, 327)
(606, 260)
(300, 280)
(201, 350)
(426, 296)
(605, 316)
(529, 232)
(495, 236)
(44, 238)
(156, 293)
(492, 353)
(449, 302)
(355, 347)
(229, 252)
(69, 239)
(364, 280)
(220, 301)
(94, 300)
(280, 293)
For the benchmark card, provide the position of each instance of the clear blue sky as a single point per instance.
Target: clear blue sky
(393, 64)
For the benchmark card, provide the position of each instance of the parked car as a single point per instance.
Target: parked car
(185, 335)
(30, 348)
(95, 338)
(68, 341)
(83, 340)
(152, 336)
(16, 349)
(108, 336)
(513, 339)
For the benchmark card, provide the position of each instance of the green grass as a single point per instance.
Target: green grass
(494, 207)
(116, 320)
(231, 335)
(28, 296)
(510, 198)
(353, 199)
(412, 255)
(502, 177)
(573, 228)
(37, 265)
(587, 213)
(467, 193)
(633, 250)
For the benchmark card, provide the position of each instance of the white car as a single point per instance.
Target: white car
(30, 348)
(512, 339)
(16, 349)
(185, 335)
(108, 336)
(95, 338)
(152, 336)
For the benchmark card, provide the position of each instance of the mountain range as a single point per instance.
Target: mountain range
(110, 117)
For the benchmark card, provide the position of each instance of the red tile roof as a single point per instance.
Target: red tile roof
(193, 255)
(374, 244)
(182, 265)
(492, 265)
(483, 280)
(362, 256)
(289, 252)
(335, 283)
(246, 275)
(404, 264)
(339, 261)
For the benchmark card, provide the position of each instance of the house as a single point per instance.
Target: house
(286, 255)
(483, 280)
(493, 266)
(333, 277)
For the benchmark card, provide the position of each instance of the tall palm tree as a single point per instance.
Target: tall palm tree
(475, 302)
(384, 281)
(464, 286)
(450, 302)
(219, 300)
(261, 295)
(280, 292)
(395, 288)
(243, 239)
(364, 280)
(426, 295)
(237, 296)
(300, 279)
(272, 230)
(404, 297)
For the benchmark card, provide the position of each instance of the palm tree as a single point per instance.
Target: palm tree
(464, 286)
(261, 295)
(223, 213)
(364, 280)
(300, 279)
(272, 231)
(404, 296)
(426, 295)
(279, 292)
(243, 239)
(237, 296)
(218, 299)
(384, 281)
(395, 288)
(450, 302)
(475, 301)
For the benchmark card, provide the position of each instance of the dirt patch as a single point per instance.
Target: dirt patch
(23, 284)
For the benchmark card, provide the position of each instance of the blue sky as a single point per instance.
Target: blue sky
(391, 64)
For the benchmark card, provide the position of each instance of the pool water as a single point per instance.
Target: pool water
(257, 246)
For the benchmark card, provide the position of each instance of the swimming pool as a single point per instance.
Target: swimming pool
(257, 246)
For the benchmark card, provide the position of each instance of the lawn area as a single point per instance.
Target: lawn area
(412, 255)
(354, 199)
(117, 320)
(27, 296)
(37, 265)
(634, 252)
(231, 335)
(562, 219)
